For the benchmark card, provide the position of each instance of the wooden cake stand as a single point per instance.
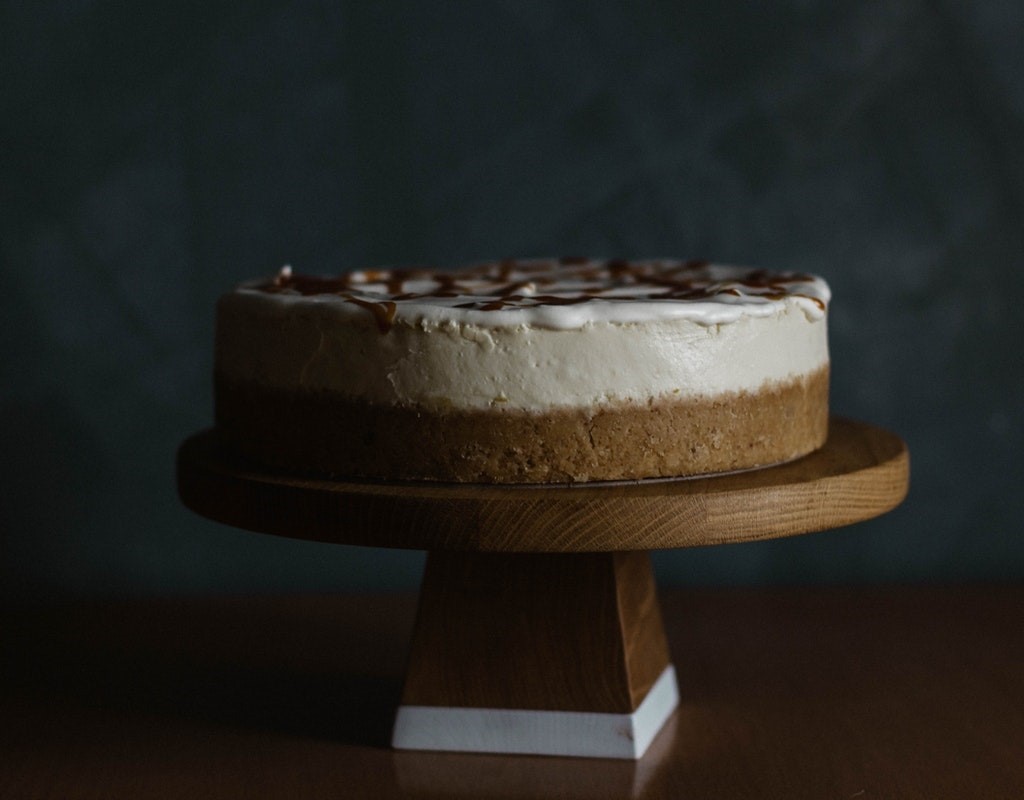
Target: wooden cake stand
(538, 629)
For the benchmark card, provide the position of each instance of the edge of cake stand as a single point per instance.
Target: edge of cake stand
(862, 471)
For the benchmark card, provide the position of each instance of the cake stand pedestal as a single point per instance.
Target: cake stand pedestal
(538, 629)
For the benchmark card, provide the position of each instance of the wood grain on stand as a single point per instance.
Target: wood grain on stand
(862, 471)
(558, 632)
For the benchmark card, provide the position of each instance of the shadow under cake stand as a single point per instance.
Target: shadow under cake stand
(538, 628)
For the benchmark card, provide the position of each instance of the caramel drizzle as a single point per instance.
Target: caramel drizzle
(383, 312)
(618, 273)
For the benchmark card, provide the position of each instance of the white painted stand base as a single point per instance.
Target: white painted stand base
(549, 733)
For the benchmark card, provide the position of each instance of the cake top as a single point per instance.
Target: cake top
(555, 293)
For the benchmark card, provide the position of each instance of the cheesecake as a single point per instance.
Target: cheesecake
(524, 371)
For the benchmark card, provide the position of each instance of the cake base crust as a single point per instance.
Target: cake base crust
(320, 433)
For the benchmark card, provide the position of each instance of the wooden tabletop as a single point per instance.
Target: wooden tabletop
(817, 693)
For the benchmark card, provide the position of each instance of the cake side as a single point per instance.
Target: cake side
(525, 372)
(456, 364)
(317, 432)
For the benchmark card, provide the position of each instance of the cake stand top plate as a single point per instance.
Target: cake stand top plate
(861, 472)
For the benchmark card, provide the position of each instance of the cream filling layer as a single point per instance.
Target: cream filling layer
(317, 346)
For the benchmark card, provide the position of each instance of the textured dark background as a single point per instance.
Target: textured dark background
(153, 154)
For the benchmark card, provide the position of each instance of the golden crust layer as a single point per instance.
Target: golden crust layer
(321, 433)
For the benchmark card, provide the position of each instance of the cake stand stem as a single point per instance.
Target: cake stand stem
(560, 654)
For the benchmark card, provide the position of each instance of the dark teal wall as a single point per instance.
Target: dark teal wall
(153, 154)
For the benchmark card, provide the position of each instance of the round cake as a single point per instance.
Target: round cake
(539, 371)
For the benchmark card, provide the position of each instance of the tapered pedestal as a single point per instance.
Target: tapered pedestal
(537, 653)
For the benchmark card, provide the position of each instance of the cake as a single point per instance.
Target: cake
(538, 371)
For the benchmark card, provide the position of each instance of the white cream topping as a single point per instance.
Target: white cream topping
(528, 356)
(529, 292)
